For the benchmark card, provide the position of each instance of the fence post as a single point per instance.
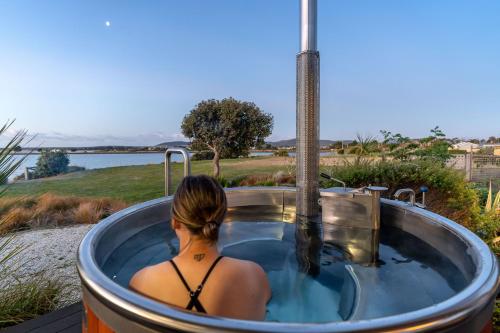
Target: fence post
(468, 166)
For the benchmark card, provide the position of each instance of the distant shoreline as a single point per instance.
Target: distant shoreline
(136, 152)
(95, 152)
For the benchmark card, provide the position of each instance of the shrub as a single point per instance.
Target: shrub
(223, 181)
(51, 163)
(449, 194)
(203, 156)
(281, 153)
(353, 150)
(489, 230)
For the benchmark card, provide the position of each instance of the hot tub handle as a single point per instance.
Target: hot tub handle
(168, 169)
(406, 190)
(324, 175)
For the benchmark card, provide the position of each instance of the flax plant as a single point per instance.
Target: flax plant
(21, 297)
(8, 165)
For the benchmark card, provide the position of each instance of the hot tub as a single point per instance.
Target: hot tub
(430, 275)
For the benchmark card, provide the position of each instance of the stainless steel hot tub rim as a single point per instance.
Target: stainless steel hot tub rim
(467, 303)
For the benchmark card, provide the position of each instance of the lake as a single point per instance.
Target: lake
(98, 161)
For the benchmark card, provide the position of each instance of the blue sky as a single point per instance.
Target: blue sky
(405, 66)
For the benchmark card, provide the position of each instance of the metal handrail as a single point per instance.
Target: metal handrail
(168, 169)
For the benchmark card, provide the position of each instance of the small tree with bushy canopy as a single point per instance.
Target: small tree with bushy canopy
(228, 127)
(51, 163)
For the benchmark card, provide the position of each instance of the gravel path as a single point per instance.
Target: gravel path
(53, 251)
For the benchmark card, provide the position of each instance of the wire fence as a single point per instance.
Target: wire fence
(477, 168)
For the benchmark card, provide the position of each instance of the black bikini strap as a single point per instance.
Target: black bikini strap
(194, 302)
(210, 271)
(180, 275)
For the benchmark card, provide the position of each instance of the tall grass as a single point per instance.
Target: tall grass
(53, 210)
(25, 300)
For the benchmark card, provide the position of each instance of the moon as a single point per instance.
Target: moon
(108, 23)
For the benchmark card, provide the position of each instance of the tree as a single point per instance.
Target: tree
(51, 163)
(434, 146)
(228, 127)
(492, 140)
(400, 147)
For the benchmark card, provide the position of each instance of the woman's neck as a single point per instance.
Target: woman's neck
(197, 250)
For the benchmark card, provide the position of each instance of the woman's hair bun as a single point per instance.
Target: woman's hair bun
(210, 231)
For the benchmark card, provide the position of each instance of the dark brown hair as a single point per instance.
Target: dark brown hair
(200, 204)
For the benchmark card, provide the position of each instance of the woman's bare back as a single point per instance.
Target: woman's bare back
(235, 288)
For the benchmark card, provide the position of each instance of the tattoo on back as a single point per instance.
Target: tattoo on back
(199, 256)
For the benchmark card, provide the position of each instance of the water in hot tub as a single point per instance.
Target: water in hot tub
(309, 279)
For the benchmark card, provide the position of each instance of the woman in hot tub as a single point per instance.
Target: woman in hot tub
(199, 278)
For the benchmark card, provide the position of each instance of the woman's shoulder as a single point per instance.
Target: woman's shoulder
(244, 267)
(147, 276)
(250, 275)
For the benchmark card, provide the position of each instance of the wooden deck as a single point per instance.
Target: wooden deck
(66, 320)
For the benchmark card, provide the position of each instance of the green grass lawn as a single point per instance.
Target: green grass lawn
(134, 183)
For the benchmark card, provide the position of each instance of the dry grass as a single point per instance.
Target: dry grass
(50, 203)
(276, 179)
(52, 210)
(16, 218)
(91, 211)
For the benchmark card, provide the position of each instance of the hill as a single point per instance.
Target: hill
(173, 144)
(280, 143)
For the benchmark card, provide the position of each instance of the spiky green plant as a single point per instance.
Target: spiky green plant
(8, 161)
(27, 297)
(8, 165)
(364, 147)
(25, 300)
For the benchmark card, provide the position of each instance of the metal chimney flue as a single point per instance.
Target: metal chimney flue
(308, 112)
(308, 25)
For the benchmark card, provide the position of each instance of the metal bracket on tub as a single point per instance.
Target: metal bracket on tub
(168, 167)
